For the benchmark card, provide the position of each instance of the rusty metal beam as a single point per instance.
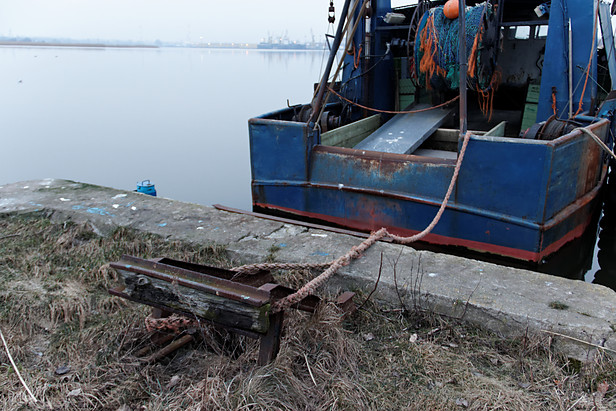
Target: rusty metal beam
(270, 342)
(345, 302)
(310, 302)
(195, 280)
(149, 281)
(277, 292)
(118, 293)
(254, 280)
(175, 345)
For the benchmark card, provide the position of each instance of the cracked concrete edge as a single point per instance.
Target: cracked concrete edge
(511, 302)
(582, 344)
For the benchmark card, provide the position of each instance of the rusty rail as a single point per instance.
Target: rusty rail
(213, 296)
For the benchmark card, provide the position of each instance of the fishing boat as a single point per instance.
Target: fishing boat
(382, 139)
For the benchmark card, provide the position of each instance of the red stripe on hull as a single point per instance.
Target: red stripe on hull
(445, 240)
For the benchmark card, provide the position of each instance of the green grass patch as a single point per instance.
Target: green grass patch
(557, 305)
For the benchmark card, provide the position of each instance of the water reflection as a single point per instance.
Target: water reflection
(606, 255)
(117, 116)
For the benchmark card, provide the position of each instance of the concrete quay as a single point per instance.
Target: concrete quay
(579, 316)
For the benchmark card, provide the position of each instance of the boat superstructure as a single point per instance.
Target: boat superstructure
(378, 145)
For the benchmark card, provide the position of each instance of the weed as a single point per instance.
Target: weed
(55, 311)
(271, 253)
(557, 305)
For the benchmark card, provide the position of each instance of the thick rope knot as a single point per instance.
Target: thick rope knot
(174, 323)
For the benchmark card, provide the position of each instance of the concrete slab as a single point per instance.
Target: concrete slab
(503, 299)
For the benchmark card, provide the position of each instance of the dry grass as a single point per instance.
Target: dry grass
(55, 312)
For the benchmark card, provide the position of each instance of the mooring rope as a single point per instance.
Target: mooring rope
(332, 267)
(355, 252)
(389, 111)
(174, 323)
(597, 140)
(251, 269)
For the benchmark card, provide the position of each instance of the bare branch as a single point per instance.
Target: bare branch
(6, 347)
(375, 284)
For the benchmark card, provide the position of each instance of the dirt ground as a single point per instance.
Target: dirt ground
(75, 345)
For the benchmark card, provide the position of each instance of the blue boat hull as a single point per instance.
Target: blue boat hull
(515, 198)
(483, 233)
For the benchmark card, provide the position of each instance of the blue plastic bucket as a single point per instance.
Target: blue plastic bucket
(145, 187)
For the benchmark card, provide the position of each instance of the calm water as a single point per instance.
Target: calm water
(117, 116)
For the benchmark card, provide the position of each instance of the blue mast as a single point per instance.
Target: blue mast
(555, 75)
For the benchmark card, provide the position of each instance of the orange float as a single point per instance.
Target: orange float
(451, 9)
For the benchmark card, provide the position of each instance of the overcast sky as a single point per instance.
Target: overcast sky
(167, 20)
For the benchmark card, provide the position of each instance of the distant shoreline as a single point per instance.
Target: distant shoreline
(248, 46)
(93, 45)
